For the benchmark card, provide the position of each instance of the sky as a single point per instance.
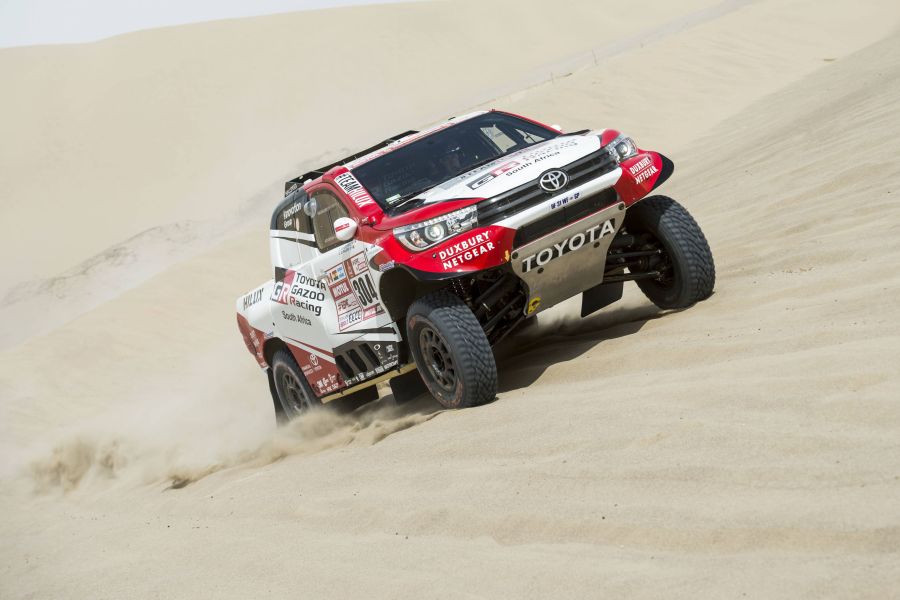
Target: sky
(31, 22)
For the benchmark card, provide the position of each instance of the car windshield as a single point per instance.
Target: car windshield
(398, 176)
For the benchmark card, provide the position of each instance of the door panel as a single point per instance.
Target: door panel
(328, 309)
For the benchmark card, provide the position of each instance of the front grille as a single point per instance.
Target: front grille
(527, 195)
(563, 216)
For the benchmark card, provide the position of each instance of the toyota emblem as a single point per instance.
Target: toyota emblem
(553, 181)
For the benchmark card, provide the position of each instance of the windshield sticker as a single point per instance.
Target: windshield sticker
(354, 189)
(474, 185)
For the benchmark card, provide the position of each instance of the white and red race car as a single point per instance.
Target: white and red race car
(410, 260)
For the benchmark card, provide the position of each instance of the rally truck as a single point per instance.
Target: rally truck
(409, 261)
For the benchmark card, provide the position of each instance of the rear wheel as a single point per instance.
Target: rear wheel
(687, 273)
(451, 351)
(294, 392)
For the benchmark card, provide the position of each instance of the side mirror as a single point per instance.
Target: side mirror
(344, 228)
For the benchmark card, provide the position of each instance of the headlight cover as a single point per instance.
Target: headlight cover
(622, 148)
(424, 235)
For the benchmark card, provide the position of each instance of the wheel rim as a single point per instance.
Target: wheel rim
(294, 392)
(667, 278)
(437, 358)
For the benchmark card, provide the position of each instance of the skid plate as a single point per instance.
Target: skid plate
(569, 260)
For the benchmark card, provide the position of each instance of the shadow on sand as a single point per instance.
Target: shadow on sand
(523, 358)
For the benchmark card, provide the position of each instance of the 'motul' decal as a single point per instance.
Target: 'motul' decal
(589, 236)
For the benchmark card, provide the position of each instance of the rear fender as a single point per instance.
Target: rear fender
(254, 320)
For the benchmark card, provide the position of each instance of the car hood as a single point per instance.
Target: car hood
(515, 169)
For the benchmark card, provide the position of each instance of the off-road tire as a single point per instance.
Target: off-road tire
(691, 272)
(294, 393)
(407, 387)
(459, 370)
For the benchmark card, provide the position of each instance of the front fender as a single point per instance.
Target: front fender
(642, 174)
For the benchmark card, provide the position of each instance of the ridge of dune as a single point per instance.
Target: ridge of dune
(182, 123)
(189, 121)
(745, 446)
(37, 306)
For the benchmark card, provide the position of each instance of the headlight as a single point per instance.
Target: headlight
(426, 234)
(622, 148)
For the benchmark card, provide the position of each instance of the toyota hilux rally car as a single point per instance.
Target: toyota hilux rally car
(409, 260)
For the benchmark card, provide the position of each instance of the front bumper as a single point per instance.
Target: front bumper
(568, 261)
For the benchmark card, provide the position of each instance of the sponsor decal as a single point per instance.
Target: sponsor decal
(358, 263)
(645, 175)
(291, 210)
(353, 291)
(643, 170)
(287, 316)
(252, 298)
(564, 200)
(534, 304)
(523, 160)
(291, 189)
(318, 369)
(640, 165)
(336, 274)
(580, 239)
(387, 266)
(387, 353)
(474, 185)
(466, 250)
(354, 189)
(328, 384)
(299, 291)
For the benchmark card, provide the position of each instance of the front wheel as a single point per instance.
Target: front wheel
(687, 273)
(452, 353)
(294, 393)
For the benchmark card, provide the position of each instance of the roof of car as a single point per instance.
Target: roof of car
(380, 149)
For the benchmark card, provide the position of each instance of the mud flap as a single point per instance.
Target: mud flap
(599, 296)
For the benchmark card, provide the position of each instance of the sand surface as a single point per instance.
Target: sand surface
(746, 447)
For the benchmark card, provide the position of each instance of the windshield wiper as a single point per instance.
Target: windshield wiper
(410, 197)
(480, 163)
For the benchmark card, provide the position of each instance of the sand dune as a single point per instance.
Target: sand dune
(202, 124)
(744, 447)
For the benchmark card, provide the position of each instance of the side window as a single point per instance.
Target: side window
(328, 209)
